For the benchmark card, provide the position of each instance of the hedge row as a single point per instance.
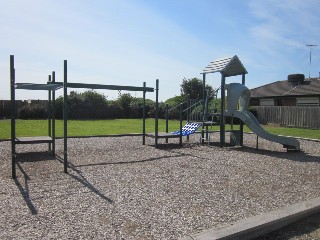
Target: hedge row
(87, 105)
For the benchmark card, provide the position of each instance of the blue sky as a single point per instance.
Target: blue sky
(127, 42)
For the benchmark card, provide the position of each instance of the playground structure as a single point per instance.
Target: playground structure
(233, 105)
(51, 86)
(228, 67)
(237, 106)
(238, 95)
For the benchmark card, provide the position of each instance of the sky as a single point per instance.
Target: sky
(128, 42)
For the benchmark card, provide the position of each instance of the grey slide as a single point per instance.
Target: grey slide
(252, 123)
(237, 105)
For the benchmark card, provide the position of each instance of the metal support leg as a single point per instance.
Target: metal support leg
(13, 120)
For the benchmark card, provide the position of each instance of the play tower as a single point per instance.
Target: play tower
(228, 67)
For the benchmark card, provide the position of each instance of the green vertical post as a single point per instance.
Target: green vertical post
(206, 113)
(241, 123)
(180, 137)
(13, 121)
(144, 116)
(156, 114)
(167, 120)
(188, 106)
(53, 112)
(222, 120)
(203, 106)
(65, 118)
(49, 115)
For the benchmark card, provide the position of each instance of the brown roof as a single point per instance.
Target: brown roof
(309, 87)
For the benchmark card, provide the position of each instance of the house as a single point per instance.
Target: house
(296, 91)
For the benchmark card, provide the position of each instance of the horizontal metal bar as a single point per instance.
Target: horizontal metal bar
(108, 87)
(197, 103)
(35, 86)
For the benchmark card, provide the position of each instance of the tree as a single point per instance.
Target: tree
(193, 88)
(88, 104)
(174, 101)
(124, 101)
(94, 103)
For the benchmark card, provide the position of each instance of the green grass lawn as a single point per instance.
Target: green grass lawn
(29, 128)
(25, 128)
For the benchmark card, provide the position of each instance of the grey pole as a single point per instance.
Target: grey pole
(180, 137)
(144, 116)
(49, 115)
(310, 46)
(222, 120)
(167, 120)
(13, 121)
(203, 106)
(53, 116)
(241, 123)
(206, 110)
(65, 118)
(156, 113)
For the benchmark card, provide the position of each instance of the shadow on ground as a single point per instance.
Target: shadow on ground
(299, 156)
(307, 228)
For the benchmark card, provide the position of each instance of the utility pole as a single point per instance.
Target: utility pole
(310, 46)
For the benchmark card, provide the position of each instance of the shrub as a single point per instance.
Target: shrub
(254, 111)
(32, 111)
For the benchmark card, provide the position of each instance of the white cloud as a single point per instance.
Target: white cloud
(279, 31)
(113, 43)
(128, 42)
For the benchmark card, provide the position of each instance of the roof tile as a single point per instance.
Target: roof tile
(284, 88)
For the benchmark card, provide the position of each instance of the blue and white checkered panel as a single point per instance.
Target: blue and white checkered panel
(188, 129)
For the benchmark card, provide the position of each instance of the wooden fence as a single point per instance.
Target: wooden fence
(308, 117)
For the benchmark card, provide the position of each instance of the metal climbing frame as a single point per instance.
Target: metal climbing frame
(50, 139)
(67, 85)
(52, 86)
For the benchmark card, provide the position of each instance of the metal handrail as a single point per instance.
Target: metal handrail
(193, 105)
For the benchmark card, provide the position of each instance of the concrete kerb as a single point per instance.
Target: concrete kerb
(259, 225)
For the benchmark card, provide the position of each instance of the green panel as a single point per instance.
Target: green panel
(35, 86)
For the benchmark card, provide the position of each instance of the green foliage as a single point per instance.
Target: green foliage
(254, 111)
(32, 111)
(124, 102)
(89, 104)
(95, 104)
(139, 101)
(5, 109)
(161, 111)
(92, 105)
(174, 101)
(193, 88)
(173, 104)
(136, 107)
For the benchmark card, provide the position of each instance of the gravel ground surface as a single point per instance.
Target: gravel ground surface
(118, 189)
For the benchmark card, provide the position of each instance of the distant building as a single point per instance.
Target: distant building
(296, 91)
